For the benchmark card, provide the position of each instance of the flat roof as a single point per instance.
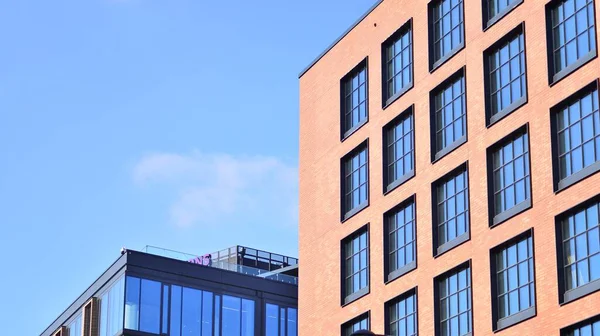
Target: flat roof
(169, 270)
(340, 38)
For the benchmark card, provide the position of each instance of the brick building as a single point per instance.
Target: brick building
(448, 159)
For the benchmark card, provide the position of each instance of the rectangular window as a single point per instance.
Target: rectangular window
(401, 245)
(451, 210)
(399, 150)
(571, 36)
(446, 30)
(75, 327)
(398, 64)
(506, 84)
(578, 232)
(494, 10)
(453, 302)
(355, 267)
(449, 115)
(111, 309)
(513, 281)
(354, 99)
(576, 133)
(401, 315)
(280, 321)
(358, 323)
(509, 176)
(142, 305)
(589, 327)
(355, 181)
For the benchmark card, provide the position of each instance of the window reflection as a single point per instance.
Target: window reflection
(156, 308)
(75, 328)
(191, 312)
(231, 315)
(111, 309)
(150, 306)
(280, 321)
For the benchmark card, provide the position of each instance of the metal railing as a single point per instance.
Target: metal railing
(163, 252)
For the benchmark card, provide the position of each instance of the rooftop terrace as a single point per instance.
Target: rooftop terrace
(240, 259)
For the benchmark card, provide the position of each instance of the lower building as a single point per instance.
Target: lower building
(238, 291)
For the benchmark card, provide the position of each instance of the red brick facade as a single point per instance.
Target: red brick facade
(321, 149)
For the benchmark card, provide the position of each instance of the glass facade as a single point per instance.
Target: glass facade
(450, 114)
(514, 278)
(581, 246)
(401, 234)
(455, 307)
(403, 316)
(359, 323)
(356, 179)
(142, 305)
(507, 74)
(398, 62)
(111, 309)
(153, 307)
(578, 129)
(452, 197)
(400, 149)
(354, 99)
(511, 179)
(76, 328)
(448, 27)
(573, 32)
(280, 321)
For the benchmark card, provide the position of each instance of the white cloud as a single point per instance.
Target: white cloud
(212, 189)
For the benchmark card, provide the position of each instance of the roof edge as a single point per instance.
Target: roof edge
(318, 58)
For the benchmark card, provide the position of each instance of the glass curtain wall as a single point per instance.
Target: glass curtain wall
(156, 308)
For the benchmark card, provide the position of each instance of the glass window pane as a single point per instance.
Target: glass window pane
(150, 306)
(132, 303)
(247, 317)
(272, 320)
(231, 315)
(207, 312)
(175, 324)
(191, 312)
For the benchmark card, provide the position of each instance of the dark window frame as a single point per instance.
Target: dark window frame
(438, 154)
(388, 275)
(555, 77)
(346, 133)
(567, 296)
(515, 105)
(562, 184)
(495, 220)
(280, 305)
(436, 294)
(510, 320)
(366, 315)
(588, 321)
(348, 299)
(345, 213)
(411, 292)
(433, 63)
(490, 21)
(389, 186)
(438, 249)
(387, 101)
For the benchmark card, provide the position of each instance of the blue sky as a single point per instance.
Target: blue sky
(133, 122)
